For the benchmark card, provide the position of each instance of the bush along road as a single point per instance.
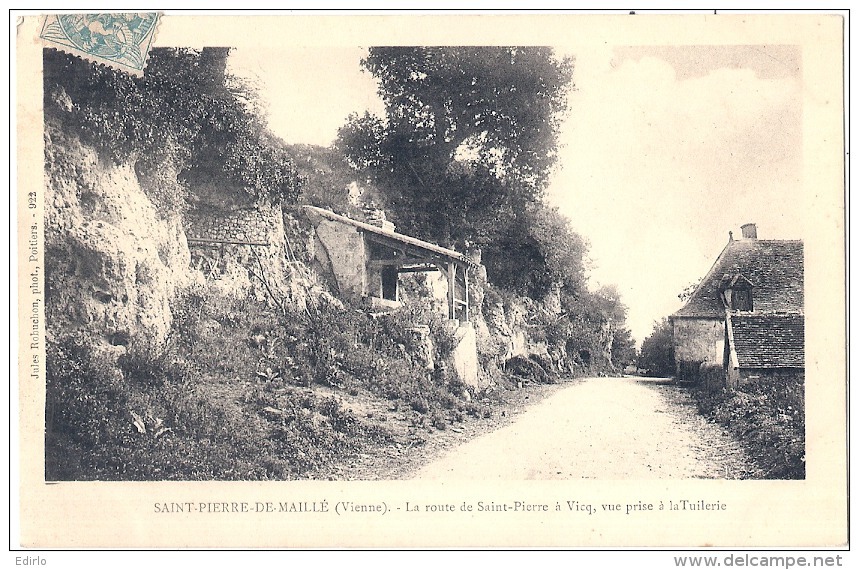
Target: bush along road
(601, 428)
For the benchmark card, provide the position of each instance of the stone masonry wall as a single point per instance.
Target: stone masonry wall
(242, 225)
(243, 250)
(699, 341)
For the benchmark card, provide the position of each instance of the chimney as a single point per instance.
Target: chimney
(376, 217)
(750, 231)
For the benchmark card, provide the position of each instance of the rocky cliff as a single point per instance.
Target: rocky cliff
(120, 246)
(113, 259)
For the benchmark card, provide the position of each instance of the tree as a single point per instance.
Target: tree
(623, 351)
(538, 251)
(687, 291)
(469, 136)
(657, 350)
(185, 110)
(328, 181)
(609, 304)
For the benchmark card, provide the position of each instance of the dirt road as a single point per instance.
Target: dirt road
(601, 428)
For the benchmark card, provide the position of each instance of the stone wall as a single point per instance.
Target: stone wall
(244, 225)
(749, 378)
(697, 342)
(243, 250)
(339, 249)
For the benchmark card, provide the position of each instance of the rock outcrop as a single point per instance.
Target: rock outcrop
(117, 248)
(113, 260)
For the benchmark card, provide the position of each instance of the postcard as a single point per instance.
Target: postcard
(430, 280)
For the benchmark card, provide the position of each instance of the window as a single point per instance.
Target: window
(742, 300)
(736, 292)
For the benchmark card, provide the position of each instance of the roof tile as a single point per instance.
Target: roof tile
(769, 341)
(775, 267)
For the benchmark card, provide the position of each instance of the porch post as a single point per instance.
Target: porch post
(451, 290)
(467, 302)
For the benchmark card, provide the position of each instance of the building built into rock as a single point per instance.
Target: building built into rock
(367, 259)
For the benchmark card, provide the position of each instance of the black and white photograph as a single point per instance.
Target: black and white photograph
(512, 276)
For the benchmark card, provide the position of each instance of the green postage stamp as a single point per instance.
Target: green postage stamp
(118, 40)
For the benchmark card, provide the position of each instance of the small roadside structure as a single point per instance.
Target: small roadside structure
(366, 261)
(745, 319)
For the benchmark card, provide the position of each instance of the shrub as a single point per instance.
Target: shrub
(109, 423)
(768, 417)
(395, 325)
(185, 111)
(530, 369)
(657, 350)
(224, 398)
(82, 398)
(711, 376)
(156, 417)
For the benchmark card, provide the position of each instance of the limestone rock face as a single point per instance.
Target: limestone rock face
(606, 334)
(113, 261)
(465, 356)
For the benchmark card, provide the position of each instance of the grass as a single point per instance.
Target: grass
(231, 395)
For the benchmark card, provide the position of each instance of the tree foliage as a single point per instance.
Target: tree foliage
(539, 250)
(623, 351)
(503, 103)
(657, 350)
(606, 308)
(687, 291)
(462, 157)
(607, 301)
(328, 180)
(464, 151)
(468, 138)
(186, 109)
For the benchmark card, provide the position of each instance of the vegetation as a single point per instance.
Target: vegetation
(243, 391)
(768, 417)
(462, 157)
(538, 251)
(468, 139)
(623, 351)
(657, 350)
(229, 396)
(186, 111)
(325, 175)
(470, 133)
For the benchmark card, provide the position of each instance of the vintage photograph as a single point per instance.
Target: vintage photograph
(422, 263)
(224, 304)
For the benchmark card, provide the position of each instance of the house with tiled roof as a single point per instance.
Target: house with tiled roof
(746, 316)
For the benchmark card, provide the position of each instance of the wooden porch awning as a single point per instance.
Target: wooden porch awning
(421, 248)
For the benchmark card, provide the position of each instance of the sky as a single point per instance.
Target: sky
(664, 150)
(310, 91)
